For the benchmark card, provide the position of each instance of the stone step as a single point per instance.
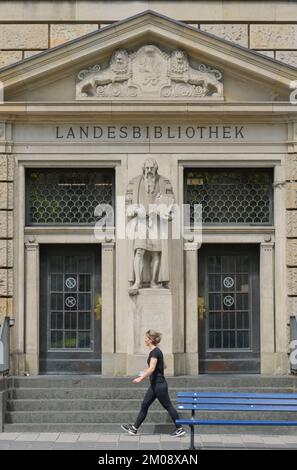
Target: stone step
(146, 429)
(218, 381)
(77, 405)
(123, 393)
(101, 404)
(116, 416)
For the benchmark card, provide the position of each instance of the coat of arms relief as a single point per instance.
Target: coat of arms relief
(149, 73)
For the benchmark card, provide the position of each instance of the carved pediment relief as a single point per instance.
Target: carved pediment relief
(149, 73)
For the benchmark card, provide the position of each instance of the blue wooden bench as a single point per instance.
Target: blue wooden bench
(234, 401)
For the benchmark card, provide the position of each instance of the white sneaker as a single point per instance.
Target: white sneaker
(178, 432)
(129, 428)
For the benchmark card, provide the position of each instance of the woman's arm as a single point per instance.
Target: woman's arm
(149, 371)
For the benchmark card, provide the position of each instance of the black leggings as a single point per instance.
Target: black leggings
(160, 391)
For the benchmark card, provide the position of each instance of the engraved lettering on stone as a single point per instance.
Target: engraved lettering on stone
(149, 73)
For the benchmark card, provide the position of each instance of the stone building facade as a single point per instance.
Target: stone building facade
(236, 118)
(27, 28)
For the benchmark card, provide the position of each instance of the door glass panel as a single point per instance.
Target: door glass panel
(70, 320)
(83, 339)
(84, 320)
(242, 283)
(214, 283)
(242, 264)
(215, 339)
(56, 301)
(214, 264)
(56, 320)
(214, 302)
(228, 302)
(70, 339)
(56, 264)
(56, 340)
(84, 283)
(70, 264)
(70, 294)
(228, 339)
(228, 264)
(56, 282)
(70, 282)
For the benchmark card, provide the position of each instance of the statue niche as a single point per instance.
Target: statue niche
(149, 200)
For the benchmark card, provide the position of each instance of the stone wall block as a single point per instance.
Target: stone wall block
(6, 224)
(60, 33)
(291, 166)
(6, 168)
(292, 281)
(30, 53)
(5, 308)
(10, 57)
(291, 195)
(6, 195)
(267, 53)
(292, 252)
(6, 253)
(237, 33)
(6, 288)
(23, 36)
(289, 57)
(291, 223)
(273, 36)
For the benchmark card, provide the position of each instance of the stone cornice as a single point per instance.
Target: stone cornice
(217, 110)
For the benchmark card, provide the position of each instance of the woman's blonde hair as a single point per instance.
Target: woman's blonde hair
(154, 336)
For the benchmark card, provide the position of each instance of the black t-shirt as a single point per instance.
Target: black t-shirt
(158, 374)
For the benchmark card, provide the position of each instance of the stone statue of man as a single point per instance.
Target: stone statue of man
(150, 199)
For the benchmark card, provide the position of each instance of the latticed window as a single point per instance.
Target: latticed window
(67, 197)
(231, 196)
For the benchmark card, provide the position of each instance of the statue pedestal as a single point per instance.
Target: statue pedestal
(151, 309)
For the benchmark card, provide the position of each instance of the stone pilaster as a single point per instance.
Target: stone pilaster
(280, 271)
(267, 320)
(108, 308)
(32, 307)
(6, 217)
(191, 306)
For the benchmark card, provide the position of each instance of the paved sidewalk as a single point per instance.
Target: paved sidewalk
(67, 441)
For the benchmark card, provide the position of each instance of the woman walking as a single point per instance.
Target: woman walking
(158, 386)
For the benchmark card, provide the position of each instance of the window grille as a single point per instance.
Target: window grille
(231, 196)
(67, 197)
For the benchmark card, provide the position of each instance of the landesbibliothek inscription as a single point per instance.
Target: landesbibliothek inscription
(142, 133)
(190, 132)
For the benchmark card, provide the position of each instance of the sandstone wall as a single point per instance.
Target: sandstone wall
(29, 27)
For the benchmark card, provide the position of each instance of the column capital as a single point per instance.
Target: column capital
(267, 246)
(292, 137)
(191, 246)
(108, 244)
(31, 245)
(5, 135)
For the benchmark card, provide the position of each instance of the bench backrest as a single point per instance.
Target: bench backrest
(235, 395)
(236, 401)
